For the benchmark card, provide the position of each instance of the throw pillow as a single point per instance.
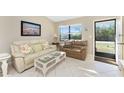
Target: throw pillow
(25, 49)
(37, 47)
(45, 45)
(68, 42)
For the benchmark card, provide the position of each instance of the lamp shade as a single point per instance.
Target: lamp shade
(55, 35)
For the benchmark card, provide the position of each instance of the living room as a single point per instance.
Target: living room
(61, 46)
(76, 64)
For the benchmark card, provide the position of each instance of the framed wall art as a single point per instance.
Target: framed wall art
(30, 29)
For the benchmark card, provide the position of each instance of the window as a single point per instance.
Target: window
(70, 32)
(75, 32)
(64, 32)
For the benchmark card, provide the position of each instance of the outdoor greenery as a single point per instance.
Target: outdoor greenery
(106, 47)
(105, 33)
(64, 37)
(105, 37)
(76, 36)
(71, 32)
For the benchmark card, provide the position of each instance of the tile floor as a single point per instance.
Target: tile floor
(73, 68)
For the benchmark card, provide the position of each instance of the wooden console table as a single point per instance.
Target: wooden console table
(57, 44)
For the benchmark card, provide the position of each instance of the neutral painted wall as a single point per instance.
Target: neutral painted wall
(123, 34)
(88, 23)
(10, 30)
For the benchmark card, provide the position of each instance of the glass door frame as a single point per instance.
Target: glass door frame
(100, 53)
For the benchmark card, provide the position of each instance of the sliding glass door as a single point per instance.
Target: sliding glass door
(105, 42)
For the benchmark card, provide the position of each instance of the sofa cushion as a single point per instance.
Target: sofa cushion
(25, 49)
(76, 46)
(67, 49)
(68, 42)
(80, 42)
(75, 50)
(67, 46)
(29, 59)
(36, 47)
(45, 46)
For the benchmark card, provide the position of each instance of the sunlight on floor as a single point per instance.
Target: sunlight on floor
(72, 68)
(88, 70)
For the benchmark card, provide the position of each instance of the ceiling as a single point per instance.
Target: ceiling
(61, 18)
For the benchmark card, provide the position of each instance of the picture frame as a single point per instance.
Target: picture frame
(30, 29)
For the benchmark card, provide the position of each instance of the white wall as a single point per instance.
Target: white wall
(123, 37)
(10, 30)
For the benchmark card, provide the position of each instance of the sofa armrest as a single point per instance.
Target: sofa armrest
(53, 46)
(83, 49)
(18, 62)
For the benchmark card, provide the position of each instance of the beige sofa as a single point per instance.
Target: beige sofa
(24, 52)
